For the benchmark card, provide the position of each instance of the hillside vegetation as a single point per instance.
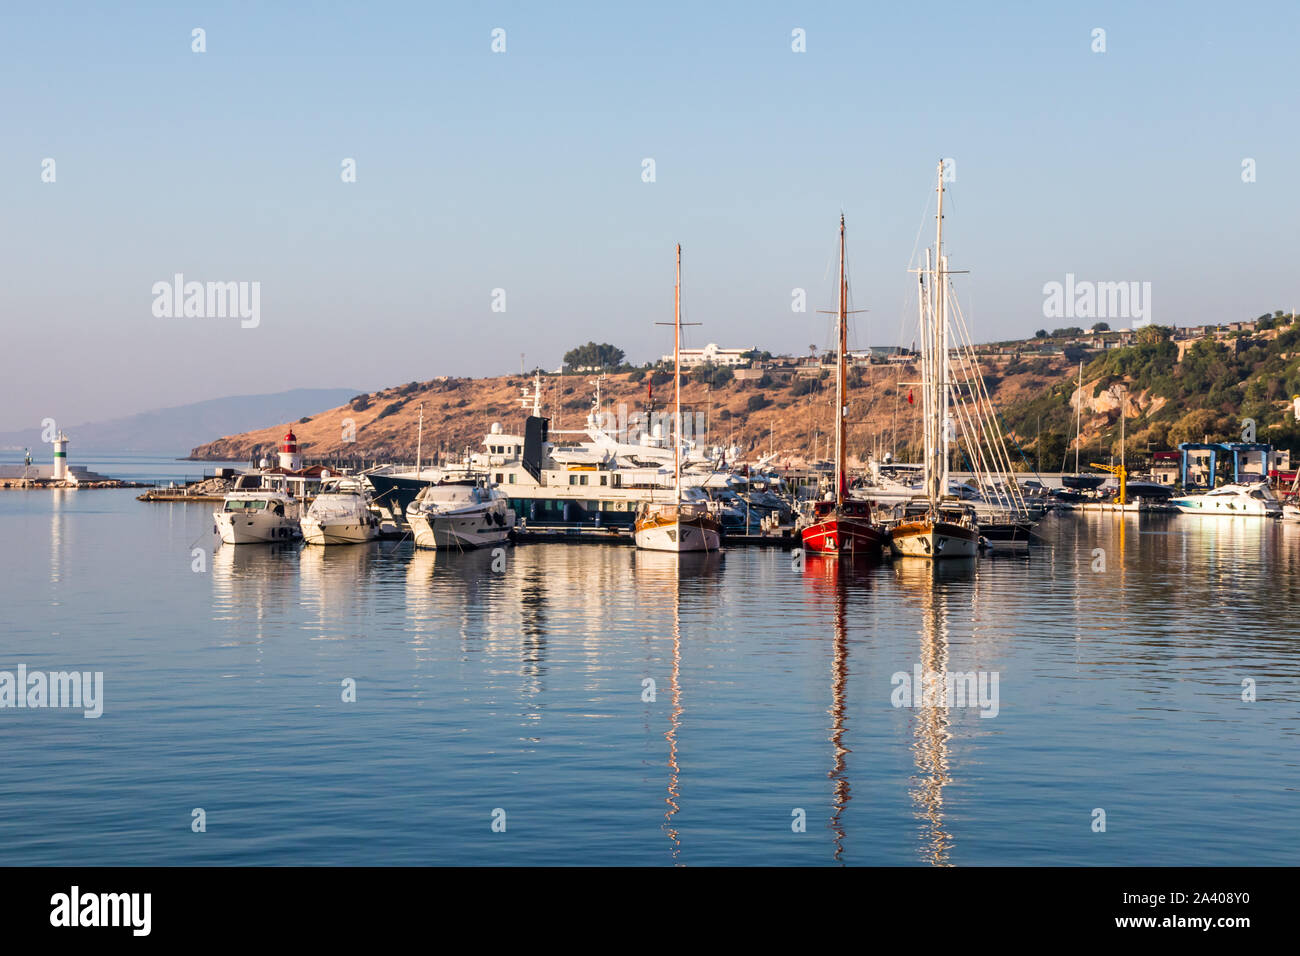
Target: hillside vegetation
(1208, 394)
(1169, 391)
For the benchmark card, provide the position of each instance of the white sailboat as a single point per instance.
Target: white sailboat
(935, 526)
(677, 525)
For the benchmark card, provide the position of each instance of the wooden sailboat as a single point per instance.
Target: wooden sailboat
(936, 526)
(677, 526)
(842, 525)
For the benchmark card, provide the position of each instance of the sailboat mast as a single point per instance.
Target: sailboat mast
(938, 358)
(677, 378)
(927, 442)
(419, 444)
(841, 377)
(1078, 419)
(946, 387)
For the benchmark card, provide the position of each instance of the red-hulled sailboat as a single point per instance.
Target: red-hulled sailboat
(842, 526)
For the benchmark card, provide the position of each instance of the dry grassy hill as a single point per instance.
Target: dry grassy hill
(789, 413)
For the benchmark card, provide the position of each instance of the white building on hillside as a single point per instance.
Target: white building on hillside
(712, 354)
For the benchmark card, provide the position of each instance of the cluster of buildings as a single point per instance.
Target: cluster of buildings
(743, 360)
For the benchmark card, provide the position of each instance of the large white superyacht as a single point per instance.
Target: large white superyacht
(590, 477)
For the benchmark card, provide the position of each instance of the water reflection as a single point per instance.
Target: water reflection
(660, 578)
(930, 583)
(333, 588)
(56, 541)
(829, 577)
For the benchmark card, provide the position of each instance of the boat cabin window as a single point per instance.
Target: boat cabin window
(254, 505)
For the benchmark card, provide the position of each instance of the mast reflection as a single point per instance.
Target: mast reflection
(657, 573)
(932, 728)
(830, 578)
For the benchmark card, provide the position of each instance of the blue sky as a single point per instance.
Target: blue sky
(522, 171)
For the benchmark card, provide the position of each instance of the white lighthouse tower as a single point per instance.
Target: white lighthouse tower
(61, 457)
(290, 460)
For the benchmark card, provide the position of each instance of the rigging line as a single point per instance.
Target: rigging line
(966, 351)
(916, 243)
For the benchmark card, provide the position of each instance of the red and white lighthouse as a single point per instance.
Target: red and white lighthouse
(290, 460)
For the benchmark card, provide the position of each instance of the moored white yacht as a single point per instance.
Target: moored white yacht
(1253, 500)
(460, 510)
(257, 517)
(340, 514)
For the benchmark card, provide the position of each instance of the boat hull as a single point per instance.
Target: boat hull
(1225, 507)
(1008, 537)
(680, 534)
(351, 532)
(843, 537)
(459, 532)
(257, 529)
(933, 540)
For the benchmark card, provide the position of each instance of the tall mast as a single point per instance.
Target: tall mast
(419, 443)
(921, 305)
(1078, 419)
(841, 376)
(677, 378)
(946, 385)
(938, 358)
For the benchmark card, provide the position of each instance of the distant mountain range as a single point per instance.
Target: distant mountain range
(174, 431)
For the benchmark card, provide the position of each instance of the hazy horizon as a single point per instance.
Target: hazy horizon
(523, 171)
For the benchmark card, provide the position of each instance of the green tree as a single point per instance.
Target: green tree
(1101, 327)
(1194, 426)
(592, 355)
(1154, 334)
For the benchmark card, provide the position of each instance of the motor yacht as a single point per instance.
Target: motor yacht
(340, 514)
(460, 510)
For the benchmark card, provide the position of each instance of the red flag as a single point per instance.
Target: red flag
(909, 397)
(649, 392)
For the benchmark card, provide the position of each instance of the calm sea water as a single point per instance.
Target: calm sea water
(524, 691)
